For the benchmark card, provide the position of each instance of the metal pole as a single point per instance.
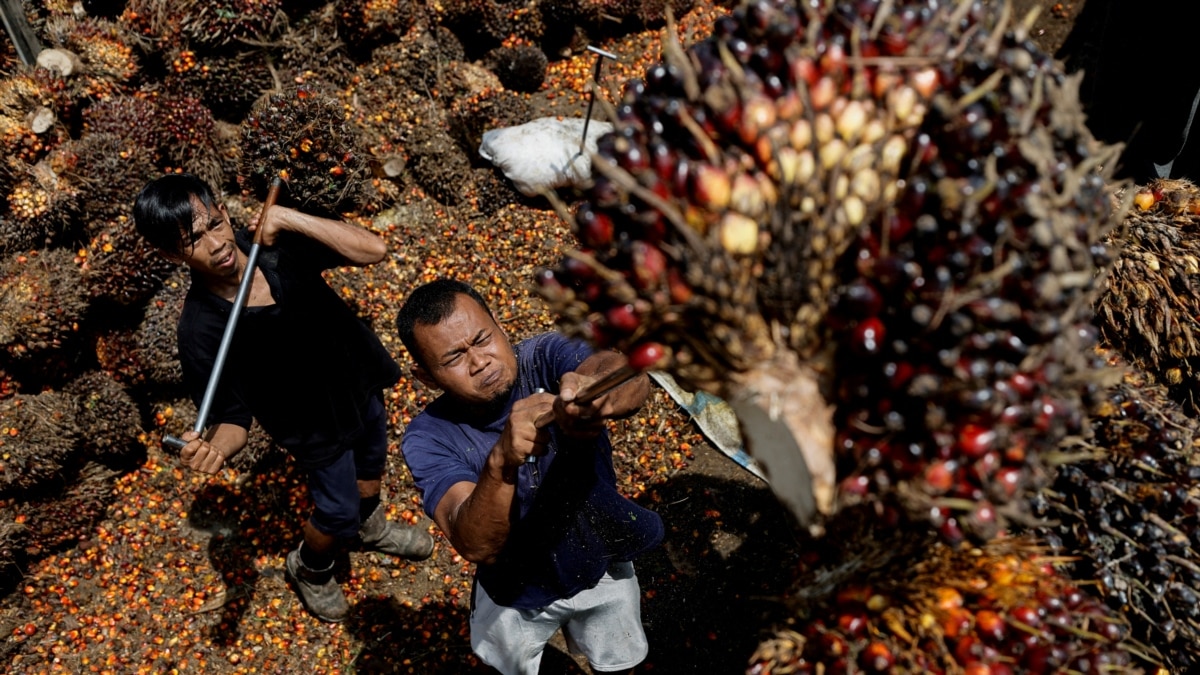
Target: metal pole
(12, 12)
(600, 56)
(239, 300)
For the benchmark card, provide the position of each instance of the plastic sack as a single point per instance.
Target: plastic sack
(543, 154)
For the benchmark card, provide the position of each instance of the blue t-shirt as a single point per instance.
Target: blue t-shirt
(571, 520)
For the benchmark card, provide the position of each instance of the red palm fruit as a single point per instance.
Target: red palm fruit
(990, 626)
(868, 336)
(877, 658)
(647, 356)
(595, 228)
(649, 264)
(974, 440)
(623, 318)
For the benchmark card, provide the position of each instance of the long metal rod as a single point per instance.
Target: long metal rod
(239, 301)
(600, 56)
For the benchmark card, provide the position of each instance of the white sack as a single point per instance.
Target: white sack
(544, 153)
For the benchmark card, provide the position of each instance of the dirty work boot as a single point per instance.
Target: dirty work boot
(318, 590)
(380, 534)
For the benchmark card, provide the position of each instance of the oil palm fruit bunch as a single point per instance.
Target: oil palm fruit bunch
(206, 23)
(227, 84)
(122, 266)
(1001, 609)
(107, 58)
(42, 207)
(148, 353)
(302, 135)
(365, 24)
(38, 435)
(107, 416)
(107, 169)
(1130, 517)
(41, 301)
(881, 223)
(1149, 305)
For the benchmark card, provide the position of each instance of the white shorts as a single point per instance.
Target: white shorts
(603, 623)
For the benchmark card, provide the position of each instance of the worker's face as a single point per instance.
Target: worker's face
(210, 248)
(467, 355)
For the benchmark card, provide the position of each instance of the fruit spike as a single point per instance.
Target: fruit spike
(853, 200)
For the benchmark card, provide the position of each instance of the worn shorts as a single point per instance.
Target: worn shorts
(334, 488)
(604, 623)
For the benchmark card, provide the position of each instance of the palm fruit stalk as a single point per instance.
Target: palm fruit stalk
(1149, 305)
(1000, 609)
(881, 222)
(42, 301)
(1130, 517)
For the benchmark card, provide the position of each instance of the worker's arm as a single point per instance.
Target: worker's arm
(477, 516)
(208, 454)
(356, 245)
(622, 401)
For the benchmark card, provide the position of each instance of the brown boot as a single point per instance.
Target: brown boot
(380, 534)
(318, 590)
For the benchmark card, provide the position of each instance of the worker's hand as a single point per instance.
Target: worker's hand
(578, 421)
(277, 219)
(525, 432)
(198, 455)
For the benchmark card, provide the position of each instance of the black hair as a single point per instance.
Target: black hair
(163, 212)
(429, 305)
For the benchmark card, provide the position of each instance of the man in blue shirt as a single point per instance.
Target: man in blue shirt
(520, 478)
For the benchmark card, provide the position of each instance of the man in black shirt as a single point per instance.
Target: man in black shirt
(300, 362)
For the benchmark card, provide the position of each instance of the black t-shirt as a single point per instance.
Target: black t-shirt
(304, 367)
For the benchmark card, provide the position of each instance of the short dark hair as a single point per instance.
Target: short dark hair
(430, 305)
(163, 211)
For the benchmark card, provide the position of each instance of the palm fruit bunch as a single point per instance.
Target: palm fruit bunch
(211, 24)
(121, 266)
(1130, 517)
(108, 416)
(148, 353)
(26, 106)
(191, 136)
(42, 301)
(1149, 304)
(365, 24)
(1001, 609)
(107, 171)
(520, 67)
(68, 517)
(38, 435)
(437, 164)
(44, 204)
(227, 84)
(303, 136)
(108, 61)
(134, 118)
(484, 24)
(879, 222)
